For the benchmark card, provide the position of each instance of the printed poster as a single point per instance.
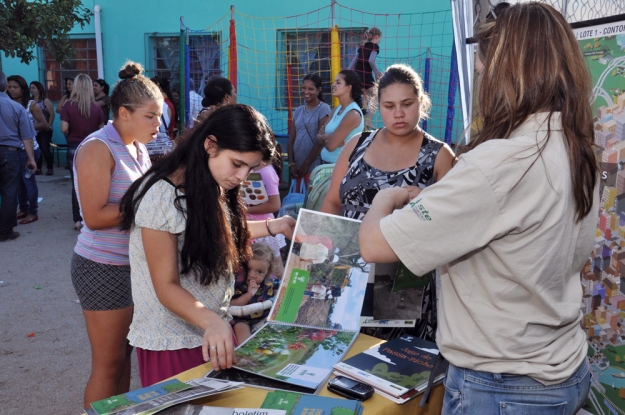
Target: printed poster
(325, 277)
(603, 276)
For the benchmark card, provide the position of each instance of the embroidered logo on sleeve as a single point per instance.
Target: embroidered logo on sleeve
(421, 212)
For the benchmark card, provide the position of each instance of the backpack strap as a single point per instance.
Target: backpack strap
(363, 137)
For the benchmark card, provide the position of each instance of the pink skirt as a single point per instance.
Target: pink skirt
(155, 366)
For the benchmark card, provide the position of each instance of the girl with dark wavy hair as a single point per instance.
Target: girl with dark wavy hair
(346, 120)
(511, 225)
(189, 235)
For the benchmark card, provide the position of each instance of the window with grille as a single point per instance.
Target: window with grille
(204, 58)
(54, 73)
(308, 51)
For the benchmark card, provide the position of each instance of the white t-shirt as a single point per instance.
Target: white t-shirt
(155, 327)
(511, 252)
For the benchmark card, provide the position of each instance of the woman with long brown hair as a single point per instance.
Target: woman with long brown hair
(511, 225)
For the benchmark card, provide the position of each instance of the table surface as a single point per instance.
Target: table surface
(249, 397)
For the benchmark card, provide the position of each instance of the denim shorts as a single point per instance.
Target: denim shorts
(469, 392)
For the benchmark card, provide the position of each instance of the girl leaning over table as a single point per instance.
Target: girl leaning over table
(511, 225)
(189, 235)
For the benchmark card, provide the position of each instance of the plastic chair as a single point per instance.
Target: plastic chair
(319, 173)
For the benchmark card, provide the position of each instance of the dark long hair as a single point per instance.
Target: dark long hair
(105, 87)
(400, 73)
(67, 91)
(42, 91)
(353, 79)
(23, 86)
(317, 81)
(533, 63)
(216, 90)
(216, 235)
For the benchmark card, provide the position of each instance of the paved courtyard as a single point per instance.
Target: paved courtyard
(44, 350)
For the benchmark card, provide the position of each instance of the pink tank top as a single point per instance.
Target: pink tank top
(110, 246)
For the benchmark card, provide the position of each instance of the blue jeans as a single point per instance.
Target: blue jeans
(9, 182)
(469, 392)
(28, 192)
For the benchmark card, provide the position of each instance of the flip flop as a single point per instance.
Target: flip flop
(27, 221)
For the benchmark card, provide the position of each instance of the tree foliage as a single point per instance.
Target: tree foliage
(25, 25)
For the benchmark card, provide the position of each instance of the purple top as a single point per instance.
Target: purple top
(79, 126)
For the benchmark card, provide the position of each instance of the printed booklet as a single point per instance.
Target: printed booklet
(394, 296)
(188, 409)
(316, 314)
(253, 190)
(297, 404)
(398, 369)
(154, 398)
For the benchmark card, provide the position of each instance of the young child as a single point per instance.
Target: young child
(254, 285)
(264, 211)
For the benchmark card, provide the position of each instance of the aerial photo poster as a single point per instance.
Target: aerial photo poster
(603, 276)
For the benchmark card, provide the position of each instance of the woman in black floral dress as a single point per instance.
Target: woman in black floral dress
(399, 154)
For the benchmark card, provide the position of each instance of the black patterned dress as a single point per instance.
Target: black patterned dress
(362, 181)
(360, 185)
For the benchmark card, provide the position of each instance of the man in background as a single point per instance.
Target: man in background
(15, 129)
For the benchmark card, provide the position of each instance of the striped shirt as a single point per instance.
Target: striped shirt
(110, 246)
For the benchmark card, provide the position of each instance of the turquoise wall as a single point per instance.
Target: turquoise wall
(126, 25)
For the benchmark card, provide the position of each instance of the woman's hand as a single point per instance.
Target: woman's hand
(303, 169)
(398, 197)
(293, 171)
(218, 345)
(284, 225)
(321, 139)
(413, 191)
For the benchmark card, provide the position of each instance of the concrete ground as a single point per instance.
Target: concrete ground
(44, 350)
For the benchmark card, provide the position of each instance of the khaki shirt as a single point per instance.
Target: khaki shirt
(503, 232)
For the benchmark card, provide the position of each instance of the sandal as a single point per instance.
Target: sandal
(21, 215)
(27, 221)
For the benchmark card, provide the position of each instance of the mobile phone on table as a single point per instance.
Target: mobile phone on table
(350, 388)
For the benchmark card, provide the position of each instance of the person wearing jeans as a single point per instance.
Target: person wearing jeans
(15, 129)
(510, 226)
(28, 192)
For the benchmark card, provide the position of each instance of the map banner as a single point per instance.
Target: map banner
(603, 276)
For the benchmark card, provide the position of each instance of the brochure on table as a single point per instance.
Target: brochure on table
(399, 367)
(316, 314)
(298, 404)
(152, 399)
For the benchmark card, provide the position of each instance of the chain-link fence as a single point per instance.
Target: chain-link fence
(574, 10)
